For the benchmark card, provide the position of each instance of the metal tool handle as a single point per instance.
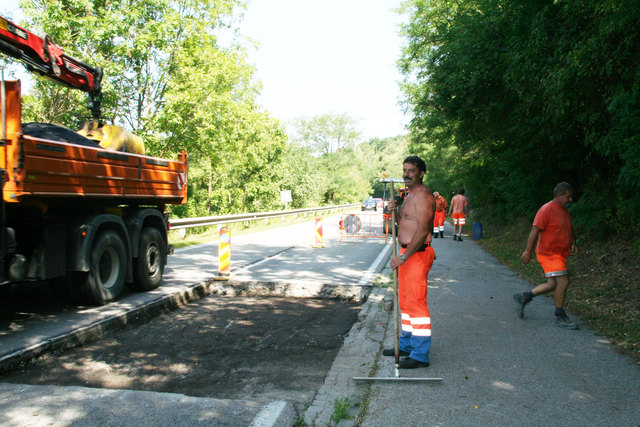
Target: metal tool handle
(395, 287)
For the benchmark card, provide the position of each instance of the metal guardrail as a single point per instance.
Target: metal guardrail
(180, 223)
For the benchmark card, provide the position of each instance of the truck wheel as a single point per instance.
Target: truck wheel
(149, 266)
(108, 268)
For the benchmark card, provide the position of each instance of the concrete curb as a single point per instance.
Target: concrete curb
(356, 358)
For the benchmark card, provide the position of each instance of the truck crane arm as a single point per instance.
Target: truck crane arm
(41, 55)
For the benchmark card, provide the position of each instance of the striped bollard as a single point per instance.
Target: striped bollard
(319, 240)
(224, 254)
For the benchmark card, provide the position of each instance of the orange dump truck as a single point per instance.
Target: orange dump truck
(90, 216)
(72, 210)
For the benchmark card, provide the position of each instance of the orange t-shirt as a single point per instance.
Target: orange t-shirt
(554, 222)
(441, 204)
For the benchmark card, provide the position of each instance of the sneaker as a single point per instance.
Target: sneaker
(564, 322)
(520, 303)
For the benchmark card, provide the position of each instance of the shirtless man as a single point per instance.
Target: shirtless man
(413, 264)
(460, 208)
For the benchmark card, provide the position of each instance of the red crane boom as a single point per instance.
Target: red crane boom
(41, 55)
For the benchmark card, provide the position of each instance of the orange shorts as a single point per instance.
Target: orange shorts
(458, 218)
(553, 265)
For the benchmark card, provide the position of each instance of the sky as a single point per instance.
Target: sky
(324, 57)
(329, 57)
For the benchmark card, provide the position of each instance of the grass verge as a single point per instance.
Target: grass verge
(604, 280)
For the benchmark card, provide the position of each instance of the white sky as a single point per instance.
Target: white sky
(323, 57)
(330, 56)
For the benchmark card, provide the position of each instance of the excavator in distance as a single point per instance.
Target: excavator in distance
(75, 209)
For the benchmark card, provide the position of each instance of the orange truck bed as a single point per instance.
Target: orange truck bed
(41, 168)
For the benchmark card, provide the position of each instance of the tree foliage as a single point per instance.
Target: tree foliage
(348, 170)
(327, 133)
(517, 96)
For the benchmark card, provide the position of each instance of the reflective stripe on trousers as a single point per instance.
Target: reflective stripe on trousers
(412, 296)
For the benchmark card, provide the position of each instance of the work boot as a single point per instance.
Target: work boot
(442, 234)
(564, 322)
(392, 352)
(455, 237)
(459, 237)
(435, 235)
(409, 363)
(520, 303)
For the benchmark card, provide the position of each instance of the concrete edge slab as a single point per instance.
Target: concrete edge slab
(23, 404)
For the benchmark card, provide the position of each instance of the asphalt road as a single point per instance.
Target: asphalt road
(33, 318)
(234, 353)
(498, 370)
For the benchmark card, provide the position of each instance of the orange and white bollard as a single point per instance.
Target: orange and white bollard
(224, 254)
(319, 240)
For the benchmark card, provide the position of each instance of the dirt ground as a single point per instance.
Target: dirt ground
(219, 346)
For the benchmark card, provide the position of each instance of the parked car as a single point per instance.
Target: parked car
(369, 204)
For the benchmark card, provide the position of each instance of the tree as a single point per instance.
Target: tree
(529, 94)
(327, 133)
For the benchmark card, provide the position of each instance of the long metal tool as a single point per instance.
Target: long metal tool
(396, 305)
(396, 301)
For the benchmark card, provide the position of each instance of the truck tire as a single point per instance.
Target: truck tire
(149, 266)
(108, 268)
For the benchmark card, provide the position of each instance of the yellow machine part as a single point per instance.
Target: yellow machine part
(113, 137)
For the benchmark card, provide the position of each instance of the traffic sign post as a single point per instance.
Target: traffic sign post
(319, 239)
(224, 254)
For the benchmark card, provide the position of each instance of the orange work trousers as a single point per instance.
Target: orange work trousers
(412, 297)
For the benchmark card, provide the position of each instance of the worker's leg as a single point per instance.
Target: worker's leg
(562, 283)
(416, 320)
(544, 288)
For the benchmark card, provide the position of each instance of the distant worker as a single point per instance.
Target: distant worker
(438, 220)
(458, 211)
(553, 231)
(413, 264)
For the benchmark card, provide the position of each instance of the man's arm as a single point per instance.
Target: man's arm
(574, 247)
(531, 241)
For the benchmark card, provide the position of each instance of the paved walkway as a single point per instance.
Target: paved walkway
(497, 369)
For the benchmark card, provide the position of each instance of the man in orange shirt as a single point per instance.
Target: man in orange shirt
(553, 231)
(438, 219)
(460, 208)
